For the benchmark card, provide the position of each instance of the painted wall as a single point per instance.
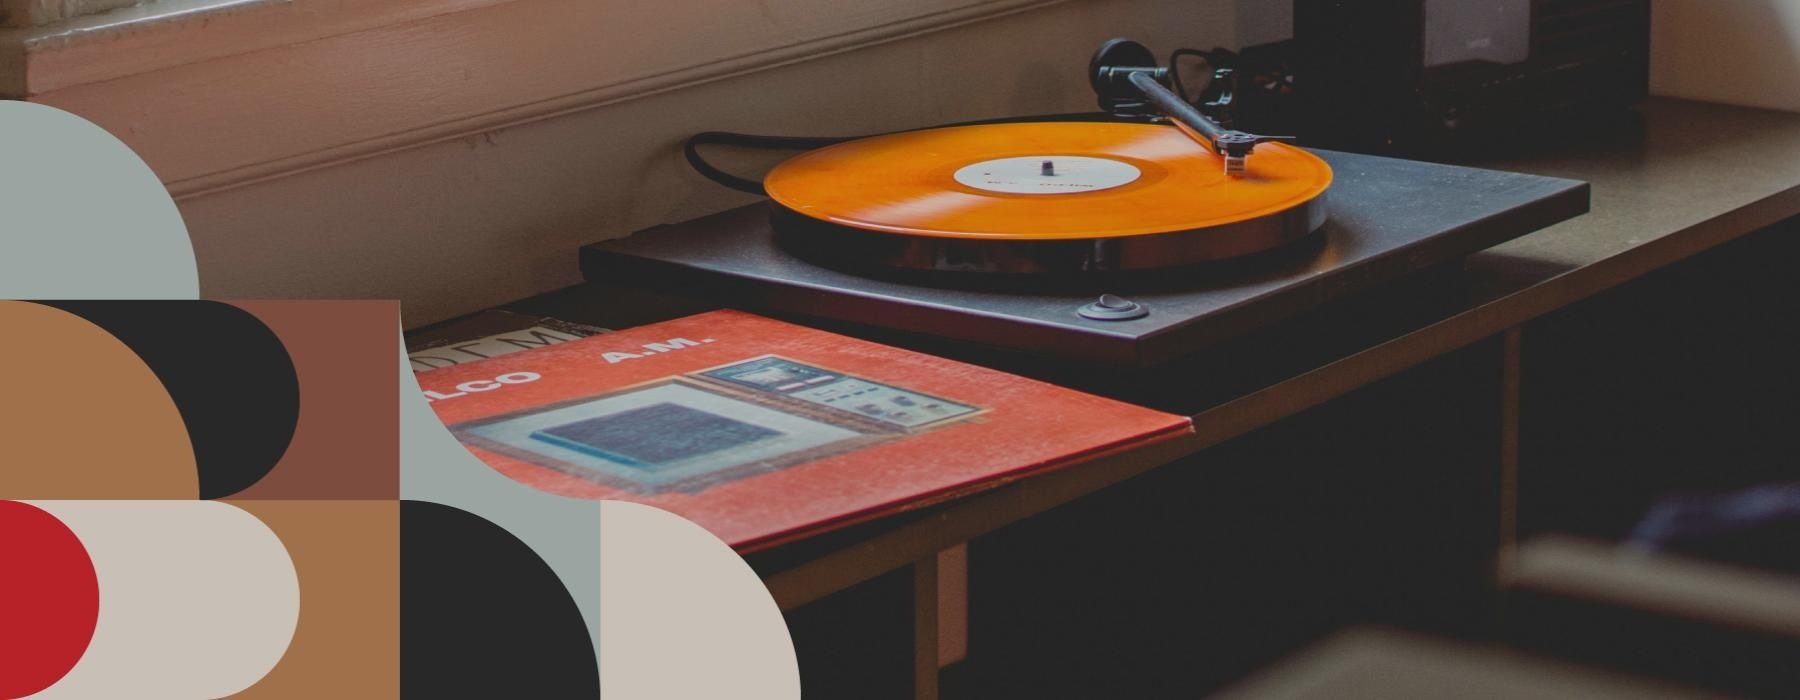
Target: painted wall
(1737, 51)
(456, 226)
(1264, 21)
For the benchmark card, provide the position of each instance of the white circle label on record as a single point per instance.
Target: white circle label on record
(1047, 174)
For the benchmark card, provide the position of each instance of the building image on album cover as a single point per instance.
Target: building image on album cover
(685, 433)
(669, 435)
(655, 436)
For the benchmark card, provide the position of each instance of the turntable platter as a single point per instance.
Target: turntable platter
(1134, 195)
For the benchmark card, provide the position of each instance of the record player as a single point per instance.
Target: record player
(1129, 237)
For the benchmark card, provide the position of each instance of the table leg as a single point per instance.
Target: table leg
(925, 628)
(1509, 453)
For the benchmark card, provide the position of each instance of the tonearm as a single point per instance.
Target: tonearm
(1128, 81)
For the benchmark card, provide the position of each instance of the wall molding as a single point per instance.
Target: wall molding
(225, 122)
(30, 13)
(159, 34)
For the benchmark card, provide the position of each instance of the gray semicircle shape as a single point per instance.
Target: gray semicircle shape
(565, 532)
(82, 216)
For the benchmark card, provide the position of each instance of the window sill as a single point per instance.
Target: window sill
(163, 34)
(215, 94)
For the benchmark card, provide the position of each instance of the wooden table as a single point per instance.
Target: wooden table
(1700, 176)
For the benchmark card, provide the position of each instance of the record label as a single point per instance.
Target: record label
(1047, 174)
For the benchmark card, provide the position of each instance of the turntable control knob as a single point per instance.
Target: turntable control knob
(1112, 307)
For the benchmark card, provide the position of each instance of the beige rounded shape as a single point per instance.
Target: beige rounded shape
(682, 615)
(198, 599)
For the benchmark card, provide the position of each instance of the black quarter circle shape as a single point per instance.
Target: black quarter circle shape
(482, 616)
(230, 377)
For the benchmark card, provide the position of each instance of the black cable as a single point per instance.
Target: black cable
(691, 148)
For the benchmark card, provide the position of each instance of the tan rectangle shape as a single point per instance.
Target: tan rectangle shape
(347, 557)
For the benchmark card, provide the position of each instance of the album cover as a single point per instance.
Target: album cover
(491, 333)
(763, 431)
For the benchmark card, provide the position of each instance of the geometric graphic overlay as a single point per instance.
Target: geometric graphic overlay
(682, 616)
(435, 468)
(60, 245)
(84, 217)
(229, 375)
(482, 616)
(346, 555)
(48, 599)
(183, 599)
(198, 599)
(346, 444)
(83, 416)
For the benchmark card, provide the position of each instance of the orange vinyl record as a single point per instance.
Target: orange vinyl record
(1044, 197)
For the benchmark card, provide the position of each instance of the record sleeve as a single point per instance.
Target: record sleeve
(765, 432)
